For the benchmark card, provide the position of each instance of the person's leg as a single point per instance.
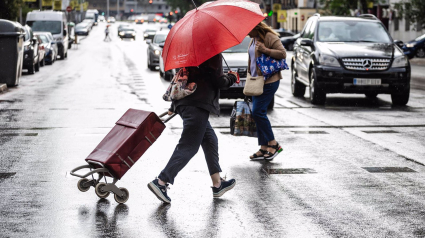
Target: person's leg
(210, 147)
(195, 122)
(259, 113)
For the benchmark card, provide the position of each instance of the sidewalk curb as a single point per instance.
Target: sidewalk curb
(3, 88)
(417, 61)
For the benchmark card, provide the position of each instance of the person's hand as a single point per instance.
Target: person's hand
(170, 112)
(260, 47)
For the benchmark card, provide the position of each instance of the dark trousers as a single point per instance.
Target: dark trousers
(197, 132)
(259, 113)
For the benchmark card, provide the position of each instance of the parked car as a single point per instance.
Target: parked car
(415, 47)
(149, 33)
(127, 32)
(349, 55)
(101, 18)
(50, 47)
(90, 22)
(82, 29)
(122, 26)
(42, 50)
(155, 48)
(111, 20)
(288, 41)
(237, 59)
(283, 33)
(53, 21)
(31, 51)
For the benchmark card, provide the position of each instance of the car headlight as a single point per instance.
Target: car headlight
(410, 45)
(122, 33)
(400, 61)
(145, 35)
(157, 52)
(133, 34)
(328, 60)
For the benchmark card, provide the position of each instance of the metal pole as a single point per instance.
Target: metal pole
(40, 4)
(107, 8)
(118, 8)
(20, 15)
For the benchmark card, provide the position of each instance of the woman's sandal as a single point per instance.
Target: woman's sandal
(269, 155)
(259, 157)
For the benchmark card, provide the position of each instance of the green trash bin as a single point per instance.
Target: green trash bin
(11, 52)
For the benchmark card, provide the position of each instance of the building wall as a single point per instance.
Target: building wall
(296, 19)
(405, 32)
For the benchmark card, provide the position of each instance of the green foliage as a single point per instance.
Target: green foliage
(184, 5)
(9, 9)
(413, 10)
(342, 7)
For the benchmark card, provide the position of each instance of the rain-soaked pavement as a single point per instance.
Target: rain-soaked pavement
(352, 168)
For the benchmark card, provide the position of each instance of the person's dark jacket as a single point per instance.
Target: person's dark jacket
(210, 79)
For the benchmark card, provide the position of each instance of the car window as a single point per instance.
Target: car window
(306, 27)
(352, 31)
(240, 48)
(51, 26)
(27, 34)
(159, 39)
(420, 38)
(44, 39)
(310, 32)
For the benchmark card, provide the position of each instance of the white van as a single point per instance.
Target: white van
(54, 22)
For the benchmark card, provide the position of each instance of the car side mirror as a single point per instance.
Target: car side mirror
(148, 41)
(306, 42)
(399, 43)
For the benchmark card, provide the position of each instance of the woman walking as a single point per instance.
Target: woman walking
(197, 131)
(264, 41)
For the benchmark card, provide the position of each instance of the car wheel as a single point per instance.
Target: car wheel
(271, 104)
(317, 96)
(66, 54)
(168, 76)
(401, 98)
(291, 46)
(297, 88)
(37, 65)
(371, 95)
(420, 53)
(43, 62)
(62, 55)
(161, 74)
(134, 38)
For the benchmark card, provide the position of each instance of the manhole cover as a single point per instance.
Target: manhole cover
(6, 175)
(389, 169)
(380, 131)
(291, 171)
(310, 132)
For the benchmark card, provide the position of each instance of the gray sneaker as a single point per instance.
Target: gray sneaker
(160, 191)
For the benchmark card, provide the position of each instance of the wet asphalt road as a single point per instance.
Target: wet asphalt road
(351, 168)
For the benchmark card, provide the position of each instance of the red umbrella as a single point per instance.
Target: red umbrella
(209, 30)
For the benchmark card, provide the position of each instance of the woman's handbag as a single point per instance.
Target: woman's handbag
(269, 66)
(241, 122)
(179, 88)
(253, 85)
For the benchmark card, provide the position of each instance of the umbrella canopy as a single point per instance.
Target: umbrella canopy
(209, 30)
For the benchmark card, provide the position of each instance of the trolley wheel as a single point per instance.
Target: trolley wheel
(98, 191)
(124, 198)
(83, 185)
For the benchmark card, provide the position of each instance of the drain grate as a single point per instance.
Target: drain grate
(389, 169)
(291, 171)
(19, 134)
(225, 132)
(380, 131)
(6, 175)
(310, 132)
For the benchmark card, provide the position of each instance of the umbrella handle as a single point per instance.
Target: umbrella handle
(238, 80)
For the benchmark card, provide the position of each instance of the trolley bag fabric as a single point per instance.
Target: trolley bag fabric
(241, 121)
(128, 140)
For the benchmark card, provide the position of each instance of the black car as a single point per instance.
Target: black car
(155, 48)
(415, 47)
(122, 26)
(288, 41)
(283, 33)
(127, 32)
(31, 51)
(349, 55)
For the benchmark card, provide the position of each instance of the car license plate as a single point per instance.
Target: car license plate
(367, 82)
(238, 85)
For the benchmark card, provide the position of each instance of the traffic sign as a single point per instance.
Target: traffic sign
(68, 8)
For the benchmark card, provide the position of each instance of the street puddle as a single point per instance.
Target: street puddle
(380, 131)
(290, 171)
(310, 132)
(18, 134)
(6, 175)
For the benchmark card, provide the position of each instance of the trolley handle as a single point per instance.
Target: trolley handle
(89, 173)
(165, 120)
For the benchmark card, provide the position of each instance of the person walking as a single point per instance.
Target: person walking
(197, 131)
(107, 37)
(264, 41)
